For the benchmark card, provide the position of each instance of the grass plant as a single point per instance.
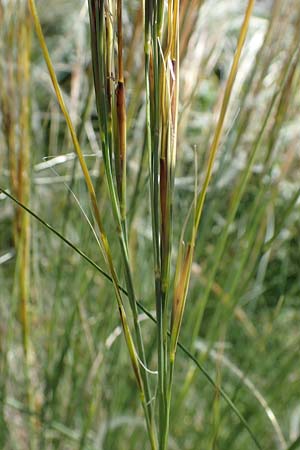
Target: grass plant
(149, 190)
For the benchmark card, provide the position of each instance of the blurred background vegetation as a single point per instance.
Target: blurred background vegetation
(76, 390)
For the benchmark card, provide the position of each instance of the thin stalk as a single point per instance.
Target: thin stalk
(198, 314)
(65, 216)
(96, 11)
(161, 78)
(109, 74)
(167, 175)
(264, 54)
(23, 193)
(121, 114)
(219, 129)
(185, 262)
(156, 87)
(239, 192)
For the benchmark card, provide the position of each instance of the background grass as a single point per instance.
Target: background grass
(73, 386)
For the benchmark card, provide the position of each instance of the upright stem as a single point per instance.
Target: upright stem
(118, 198)
(121, 113)
(23, 190)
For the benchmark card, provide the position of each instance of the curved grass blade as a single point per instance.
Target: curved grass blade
(182, 347)
(226, 362)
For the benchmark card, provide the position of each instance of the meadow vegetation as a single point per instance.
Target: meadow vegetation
(149, 227)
